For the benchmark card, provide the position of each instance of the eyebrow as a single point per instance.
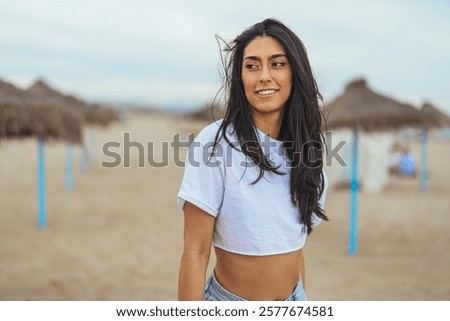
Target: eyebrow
(270, 58)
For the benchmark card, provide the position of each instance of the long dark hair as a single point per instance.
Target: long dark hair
(301, 123)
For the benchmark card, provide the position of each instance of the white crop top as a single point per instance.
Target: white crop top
(257, 219)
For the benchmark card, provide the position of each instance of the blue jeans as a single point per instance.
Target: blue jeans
(215, 292)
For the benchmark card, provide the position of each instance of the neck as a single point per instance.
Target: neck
(268, 124)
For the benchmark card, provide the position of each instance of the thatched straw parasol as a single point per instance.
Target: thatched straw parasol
(41, 93)
(93, 114)
(433, 117)
(20, 118)
(44, 122)
(360, 108)
(101, 115)
(10, 93)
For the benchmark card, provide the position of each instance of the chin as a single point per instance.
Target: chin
(268, 108)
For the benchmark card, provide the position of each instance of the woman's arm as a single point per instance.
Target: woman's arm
(198, 231)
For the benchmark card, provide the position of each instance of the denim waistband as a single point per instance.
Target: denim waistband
(215, 292)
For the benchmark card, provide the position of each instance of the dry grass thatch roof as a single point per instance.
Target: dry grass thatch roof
(99, 115)
(43, 121)
(95, 115)
(363, 108)
(9, 92)
(42, 94)
(434, 117)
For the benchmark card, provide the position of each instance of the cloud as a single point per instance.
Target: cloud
(400, 46)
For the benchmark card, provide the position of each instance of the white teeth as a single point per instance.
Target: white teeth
(266, 92)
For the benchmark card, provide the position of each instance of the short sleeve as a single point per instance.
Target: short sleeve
(203, 180)
(315, 219)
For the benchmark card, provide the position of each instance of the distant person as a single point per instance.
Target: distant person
(253, 185)
(407, 164)
(394, 161)
(394, 158)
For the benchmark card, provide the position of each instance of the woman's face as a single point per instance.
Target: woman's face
(267, 76)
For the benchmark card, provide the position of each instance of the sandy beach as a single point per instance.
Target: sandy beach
(118, 234)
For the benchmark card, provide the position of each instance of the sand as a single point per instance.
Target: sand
(118, 234)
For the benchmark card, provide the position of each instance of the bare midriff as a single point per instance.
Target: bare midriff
(259, 278)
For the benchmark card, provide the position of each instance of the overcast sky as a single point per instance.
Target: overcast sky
(164, 52)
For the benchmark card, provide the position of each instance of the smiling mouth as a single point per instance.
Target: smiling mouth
(266, 92)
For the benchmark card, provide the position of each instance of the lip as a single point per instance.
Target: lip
(259, 92)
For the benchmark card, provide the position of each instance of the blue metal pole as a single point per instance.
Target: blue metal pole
(353, 219)
(423, 171)
(69, 168)
(41, 185)
(93, 152)
(83, 159)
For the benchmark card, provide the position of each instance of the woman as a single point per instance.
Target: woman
(253, 185)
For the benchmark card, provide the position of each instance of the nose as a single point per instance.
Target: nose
(265, 75)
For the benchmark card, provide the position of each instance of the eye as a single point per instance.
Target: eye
(251, 66)
(278, 64)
